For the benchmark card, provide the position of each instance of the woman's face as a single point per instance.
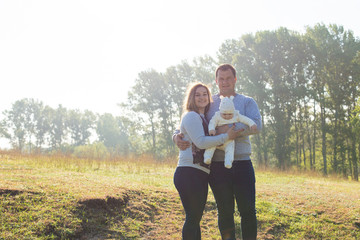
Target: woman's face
(201, 98)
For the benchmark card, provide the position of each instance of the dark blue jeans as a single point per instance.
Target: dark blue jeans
(236, 183)
(192, 185)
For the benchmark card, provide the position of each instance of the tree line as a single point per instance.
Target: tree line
(306, 86)
(32, 126)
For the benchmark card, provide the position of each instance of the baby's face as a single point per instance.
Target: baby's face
(227, 116)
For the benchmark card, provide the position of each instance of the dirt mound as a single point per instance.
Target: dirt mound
(136, 214)
(109, 204)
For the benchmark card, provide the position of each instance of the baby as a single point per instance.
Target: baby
(226, 115)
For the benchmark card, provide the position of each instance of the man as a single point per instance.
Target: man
(237, 182)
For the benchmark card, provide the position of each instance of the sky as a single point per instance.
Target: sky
(86, 54)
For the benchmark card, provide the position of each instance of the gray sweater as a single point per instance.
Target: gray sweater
(192, 128)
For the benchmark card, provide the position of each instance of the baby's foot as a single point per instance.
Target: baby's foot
(228, 165)
(207, 160)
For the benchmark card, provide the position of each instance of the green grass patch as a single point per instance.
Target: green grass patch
(28, 215)
(69, 198)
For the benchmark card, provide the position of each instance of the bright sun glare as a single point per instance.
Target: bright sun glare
(87, 54)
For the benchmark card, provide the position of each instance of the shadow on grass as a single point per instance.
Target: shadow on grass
(98, 215)
(12, 193)
(210, 206)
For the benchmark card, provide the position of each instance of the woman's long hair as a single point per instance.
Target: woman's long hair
(189, 100)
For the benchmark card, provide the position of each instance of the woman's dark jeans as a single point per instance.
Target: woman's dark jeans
(238, 182)
(192, 185)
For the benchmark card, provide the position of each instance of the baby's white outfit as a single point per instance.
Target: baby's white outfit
(226, 106)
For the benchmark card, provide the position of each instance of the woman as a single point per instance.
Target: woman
(191, 176)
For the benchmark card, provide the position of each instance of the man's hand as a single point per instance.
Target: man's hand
(253, 128)
(225, 128)
(180, 143)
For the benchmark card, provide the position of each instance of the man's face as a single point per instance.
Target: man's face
(226, 82)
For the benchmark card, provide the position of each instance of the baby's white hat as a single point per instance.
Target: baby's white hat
(227, 104)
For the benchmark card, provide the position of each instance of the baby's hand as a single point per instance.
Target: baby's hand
(253, 127)
(212, 132)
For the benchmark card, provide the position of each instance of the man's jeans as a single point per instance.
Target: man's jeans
(237, 182)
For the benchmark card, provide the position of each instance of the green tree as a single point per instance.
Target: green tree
(112, 132)
(204, 71)
(150, 97)
(15, 123)
(355, 116)
(355, 123)
(33, 115)
(3, 131)
(80, 125)
(252, 81)
(58, 126)
(334, 85)
(178, 78)
(277, 53)
(42, 130)
(316, 39)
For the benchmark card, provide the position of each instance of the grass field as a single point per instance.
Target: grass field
(67, 198)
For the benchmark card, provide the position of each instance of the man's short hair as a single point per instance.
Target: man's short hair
(225, 67)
